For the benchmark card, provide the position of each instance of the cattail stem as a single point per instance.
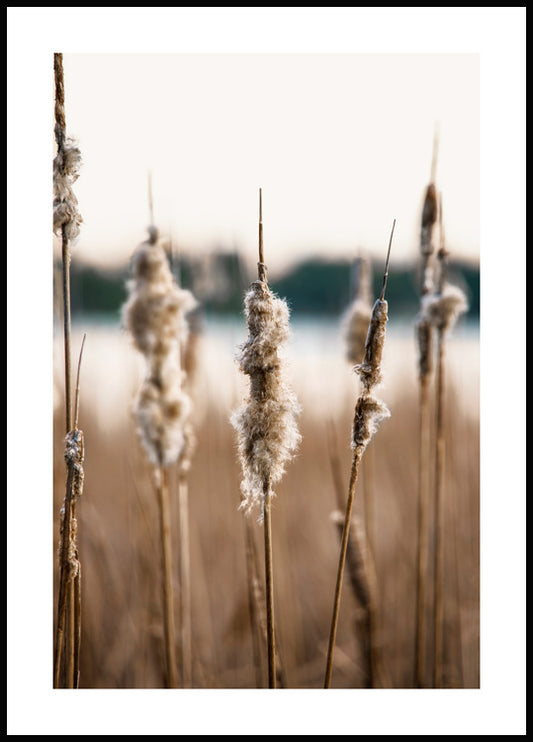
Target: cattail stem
(425, 364)
(255, 603)
(422, 524)
(185, 583)
(269, 585)
(68, 628)
(65, 254)
(60, 134)
(438, 553)
(62, 596)
(342, 559)
(369, 411)
(167, 588)
(361, 572)
(267, 513)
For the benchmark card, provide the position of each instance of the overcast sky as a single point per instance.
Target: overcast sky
(341, 144)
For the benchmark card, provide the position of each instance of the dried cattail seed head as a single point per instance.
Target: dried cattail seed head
(369, 412)
(156, 316)
(65, 169)
(443, 308)
(267, 432)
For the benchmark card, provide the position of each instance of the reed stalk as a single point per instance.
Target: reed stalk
(267, 433)
(155, 314)
(66, 224)
(441, 308)
(369, 411)
(355, 323)
(256, 604)
(362, 576)
(424, 332)
(161, 487)
(185, 583)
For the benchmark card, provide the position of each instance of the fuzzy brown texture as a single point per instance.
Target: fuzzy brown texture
(370, 369)
(267, 432)
(67, 219)
(155, 314)
(74, 456)
(66, 172)
(369, 412)
(443, 308)
(161, 410)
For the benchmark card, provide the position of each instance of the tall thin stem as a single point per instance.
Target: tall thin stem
(425, 342)
(267, 515)
(167, 588)
(422, 542)
(185, 583)
(438, 553)
(269, 584)
(342, 560)
(368, 412)
(255, 603)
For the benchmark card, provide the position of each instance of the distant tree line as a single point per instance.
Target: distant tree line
(312, 287)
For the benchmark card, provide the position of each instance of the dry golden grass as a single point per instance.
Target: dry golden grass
(122, 638)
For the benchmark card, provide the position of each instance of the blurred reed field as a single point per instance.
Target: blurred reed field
(164, 577)
(122, 635)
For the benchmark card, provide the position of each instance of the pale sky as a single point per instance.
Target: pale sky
(341, 144)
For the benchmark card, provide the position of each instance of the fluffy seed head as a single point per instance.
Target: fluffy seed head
(267, 432)
(443, 308)
(74, 456)
(155, 315)
(161, 410)
(66, 172)
(369, 412)
(155, 312)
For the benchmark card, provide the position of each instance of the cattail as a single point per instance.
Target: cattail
(155, 314)
(266, 427)
(66, 224)
(442, 309)
(267, 431)
(424, 338)
(66, 171)
(369, 412)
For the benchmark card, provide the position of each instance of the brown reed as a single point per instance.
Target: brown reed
(369, 411)
(267, 433)
(355, 325)
(440, 308)
(362, 575)
(66, 224)
(155, 314)
(424, 333)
